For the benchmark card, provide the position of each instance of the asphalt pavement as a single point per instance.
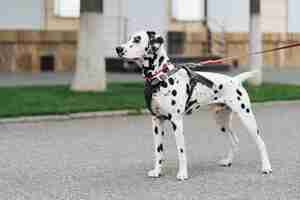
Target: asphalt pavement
(108, 158)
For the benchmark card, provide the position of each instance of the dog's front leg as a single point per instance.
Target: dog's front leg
(158, 133)
(177, 125)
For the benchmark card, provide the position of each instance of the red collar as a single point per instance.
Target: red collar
(163, 69)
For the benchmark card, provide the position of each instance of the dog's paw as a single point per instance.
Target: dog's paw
(154, 173)
(182, 175)
(225, 163)
(266, 170)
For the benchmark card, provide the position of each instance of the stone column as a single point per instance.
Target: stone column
(90, 74)
(255, 41)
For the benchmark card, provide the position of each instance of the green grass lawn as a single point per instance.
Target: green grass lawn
(43, 100)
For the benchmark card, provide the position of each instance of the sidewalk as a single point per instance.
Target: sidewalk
(48, 78)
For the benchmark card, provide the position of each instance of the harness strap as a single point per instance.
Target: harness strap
(194, 79)
(151, 86)
(164, 76)
(148, 91)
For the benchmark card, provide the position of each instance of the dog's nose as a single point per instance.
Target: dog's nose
(119, 50)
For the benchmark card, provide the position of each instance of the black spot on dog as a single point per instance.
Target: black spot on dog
(174, 126)
(174, 93)
(160, 161)
(187, 89)
(197, 107)
(181, 150)
(220, 87)
(173, 102)
(216, 91)
(238, 92)
(216, 98)
(164, 84)
(156, 130)
(161, 59)
(223, 129)
(248, 110)
(162, 133)
(171, 81)
(160, 148)
(239, 98)
(242, 106)
(169, 116)
(178, 110)
(257, 132)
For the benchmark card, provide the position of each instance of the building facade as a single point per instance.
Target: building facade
(35, 36)
(228, 22)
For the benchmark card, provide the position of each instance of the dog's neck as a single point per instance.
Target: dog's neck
(154, 61)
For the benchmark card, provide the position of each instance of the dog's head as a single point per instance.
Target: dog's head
(140, 45)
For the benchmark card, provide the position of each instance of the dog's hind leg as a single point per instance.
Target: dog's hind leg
(241, 105)
(223, 118)
(158, 133)
(249, 121)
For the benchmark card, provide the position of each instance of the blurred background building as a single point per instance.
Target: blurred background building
(41, 35)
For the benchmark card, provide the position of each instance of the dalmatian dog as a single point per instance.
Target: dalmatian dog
(171, 91)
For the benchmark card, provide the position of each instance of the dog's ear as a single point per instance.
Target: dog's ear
(159, 40)
(151, 34)
(155, 40)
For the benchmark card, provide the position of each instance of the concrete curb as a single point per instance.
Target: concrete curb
(72, 116)
(86, 115)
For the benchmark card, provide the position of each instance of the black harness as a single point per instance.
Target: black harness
(153, 85)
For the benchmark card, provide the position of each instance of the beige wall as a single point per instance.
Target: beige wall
(274, 26)
(237, 45)
(22, 50)
(274, 15)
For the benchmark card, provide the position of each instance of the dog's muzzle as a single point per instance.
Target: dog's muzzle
(120, 51)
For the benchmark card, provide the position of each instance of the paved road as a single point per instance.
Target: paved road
(12, 79)
(108, 158)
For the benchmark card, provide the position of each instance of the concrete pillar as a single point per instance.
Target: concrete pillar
(90, 74)
(284, 34)
(255, 41)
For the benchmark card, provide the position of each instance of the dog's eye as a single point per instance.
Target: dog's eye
(137, 39)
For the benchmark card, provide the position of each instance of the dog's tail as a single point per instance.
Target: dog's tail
(246, 75)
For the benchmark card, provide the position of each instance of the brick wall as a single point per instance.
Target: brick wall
(236, 44)
(22, 50)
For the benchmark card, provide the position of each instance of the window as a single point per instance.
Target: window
(47, 63)
(175, 42)
(188, 10)
(67, 8)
